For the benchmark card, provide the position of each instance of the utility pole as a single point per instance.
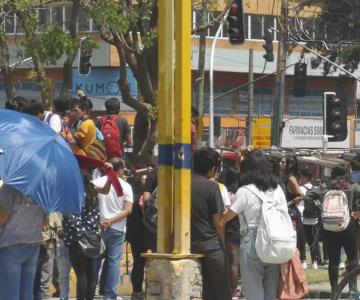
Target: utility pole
(280, 77)
(250, 97)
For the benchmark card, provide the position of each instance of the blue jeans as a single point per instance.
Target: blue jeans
(64, 266)
(114, 241)
(260, 280)
(18, 266)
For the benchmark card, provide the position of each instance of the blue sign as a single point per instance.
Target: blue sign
(102, 82)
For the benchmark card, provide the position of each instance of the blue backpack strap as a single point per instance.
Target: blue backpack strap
(48, 118)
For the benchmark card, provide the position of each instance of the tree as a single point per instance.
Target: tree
(335, 27)
(44, 44)
(5, 68)
(131, 27)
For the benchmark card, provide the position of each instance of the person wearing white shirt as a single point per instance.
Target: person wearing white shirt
(113, 213)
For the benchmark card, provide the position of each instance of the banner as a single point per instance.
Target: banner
(307, 133)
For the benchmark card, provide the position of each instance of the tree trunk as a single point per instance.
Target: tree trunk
(67, 70)
(201, 78)
(6, 70)
(144, 135)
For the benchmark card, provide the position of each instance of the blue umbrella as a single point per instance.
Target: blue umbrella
(39, 163)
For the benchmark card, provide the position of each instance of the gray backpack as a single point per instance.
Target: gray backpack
(150, 212)
(335, 211)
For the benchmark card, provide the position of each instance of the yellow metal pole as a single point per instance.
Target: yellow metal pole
(182, 147)
(165, 126)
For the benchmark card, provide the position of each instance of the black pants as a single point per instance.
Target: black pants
(336, 240)
(300, 233)
(144, 241)
(84, 270)
(312, 233)
(215, 274)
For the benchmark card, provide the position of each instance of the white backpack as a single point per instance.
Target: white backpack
(276, 237)
(335, 211)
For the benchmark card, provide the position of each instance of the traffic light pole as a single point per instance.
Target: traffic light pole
(280, 79)
(211, 83)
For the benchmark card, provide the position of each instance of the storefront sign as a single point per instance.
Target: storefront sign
(307, 133)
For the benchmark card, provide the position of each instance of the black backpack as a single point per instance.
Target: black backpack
(150, 212)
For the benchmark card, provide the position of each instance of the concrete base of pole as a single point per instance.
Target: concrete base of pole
(169, 279)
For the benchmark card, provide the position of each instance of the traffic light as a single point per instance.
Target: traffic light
(300, 79)
(236, 23)
(335, 115)
(268, 46)
(85, 59)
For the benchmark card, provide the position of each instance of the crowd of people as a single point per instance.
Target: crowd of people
(37, 250)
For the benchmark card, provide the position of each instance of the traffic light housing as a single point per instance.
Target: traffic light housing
(299, 87)
(268, 46)
(236, 23)
(335, 117)
(85, 59)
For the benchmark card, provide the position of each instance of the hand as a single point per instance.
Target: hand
(355, 214)
(141, 201)
(108, 165)
(105, 224)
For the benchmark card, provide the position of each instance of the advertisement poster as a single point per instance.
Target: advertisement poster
(231, 138)
(261, 133)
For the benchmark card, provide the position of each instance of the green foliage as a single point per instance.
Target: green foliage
(110, 14)
(49, 46)
(337, 24)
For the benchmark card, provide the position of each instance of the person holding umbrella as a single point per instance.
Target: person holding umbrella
(33, 161)
(20, 238)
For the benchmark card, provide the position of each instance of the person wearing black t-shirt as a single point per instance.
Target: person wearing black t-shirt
(207, 227)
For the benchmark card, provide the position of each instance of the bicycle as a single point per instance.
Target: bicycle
(354, 295)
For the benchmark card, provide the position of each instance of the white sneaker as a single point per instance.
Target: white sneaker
(304, 265)
(342, 266)
(314, 266)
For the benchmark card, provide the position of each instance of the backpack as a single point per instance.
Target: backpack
(150, 212)
(112, 136)
(335, 211)
(276, 238)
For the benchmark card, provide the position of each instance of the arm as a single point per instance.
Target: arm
(219, 225)
(229, 215)
(123, 214)
(105, 189)
(293, 187)
(4, 215)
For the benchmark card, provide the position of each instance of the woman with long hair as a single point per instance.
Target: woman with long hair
(75, 227)
(260, 280)
(288, 169)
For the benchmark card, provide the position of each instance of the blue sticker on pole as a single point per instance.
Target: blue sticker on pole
(182, 156)
(165, 155)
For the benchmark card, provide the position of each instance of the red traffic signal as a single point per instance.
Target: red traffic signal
(236, 23)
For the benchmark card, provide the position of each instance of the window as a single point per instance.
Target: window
(10, 23)
(83, 21)
(57, 15)
(67, 19)
(213, 29)
(256, 27)
(268, 24)
(43, 16)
